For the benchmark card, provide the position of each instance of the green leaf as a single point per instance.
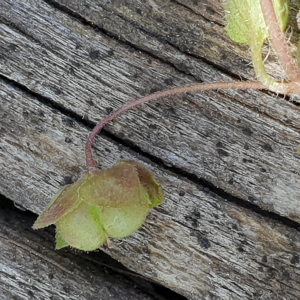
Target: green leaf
(113, 202)
(246, 24)
(82, 228)
(282, 13)
(114, 187)
(60, 242)
(122, 222)
(245, 19)
(119, 186)
(63, 202)
(154, 190)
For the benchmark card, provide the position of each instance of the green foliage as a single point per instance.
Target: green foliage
(114, 202)
(245, 21)
(246, 24)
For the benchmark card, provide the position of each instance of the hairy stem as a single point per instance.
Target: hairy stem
(90, 164)
(279, 42)
(260, 71)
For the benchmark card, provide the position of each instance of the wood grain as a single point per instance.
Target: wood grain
(66, 64)
(196, 243)
(244, 143)
(31, 269)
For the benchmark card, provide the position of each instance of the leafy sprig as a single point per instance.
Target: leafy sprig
(252, 22)
(115, 202)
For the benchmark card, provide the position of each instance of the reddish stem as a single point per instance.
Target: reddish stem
(279, 42)
(199, 87)
(280, 46)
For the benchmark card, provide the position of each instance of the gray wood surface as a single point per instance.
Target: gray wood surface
(66, 64)
(244, 143)
(195, 243)
(31, 269)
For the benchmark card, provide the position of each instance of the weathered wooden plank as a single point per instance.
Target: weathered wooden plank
(210, 10)
(191, 27)
(196, 243)
(244, 143)
(31, 269)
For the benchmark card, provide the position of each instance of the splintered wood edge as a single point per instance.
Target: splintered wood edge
(194, 243)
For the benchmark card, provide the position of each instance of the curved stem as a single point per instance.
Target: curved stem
(279, 42)
(199, 87)
(260, 71)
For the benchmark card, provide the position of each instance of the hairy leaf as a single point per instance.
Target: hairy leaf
(245, 19)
